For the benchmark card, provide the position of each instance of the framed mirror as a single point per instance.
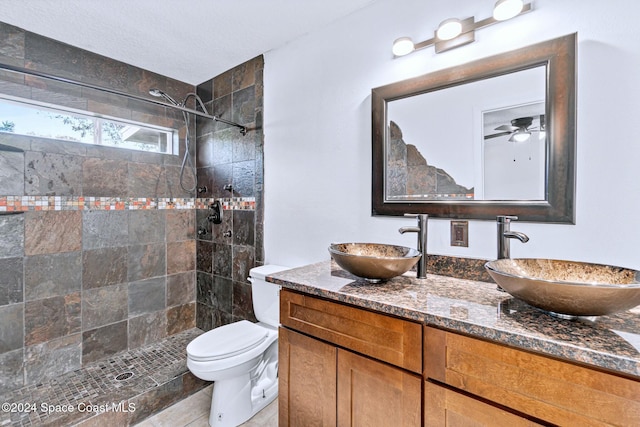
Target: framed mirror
(491, 137)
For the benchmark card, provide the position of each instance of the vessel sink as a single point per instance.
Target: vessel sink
(568, 288)
(374, 261)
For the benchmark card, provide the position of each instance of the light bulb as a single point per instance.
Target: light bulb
(507, 9)
(449, 29)
(520, 136)
(402, 46)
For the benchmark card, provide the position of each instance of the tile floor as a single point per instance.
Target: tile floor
(194, 412)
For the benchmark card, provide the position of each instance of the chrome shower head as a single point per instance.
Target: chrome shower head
(158, 93)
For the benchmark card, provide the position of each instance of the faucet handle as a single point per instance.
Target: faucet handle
(506, 218)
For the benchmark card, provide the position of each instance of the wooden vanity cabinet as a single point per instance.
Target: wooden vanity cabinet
(344, 366)
(492, 385)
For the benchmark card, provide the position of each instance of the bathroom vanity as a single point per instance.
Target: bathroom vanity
(443, 351)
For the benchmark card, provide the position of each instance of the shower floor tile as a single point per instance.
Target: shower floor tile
(150, 377)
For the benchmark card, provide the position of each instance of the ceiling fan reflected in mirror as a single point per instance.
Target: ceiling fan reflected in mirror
(520, 129)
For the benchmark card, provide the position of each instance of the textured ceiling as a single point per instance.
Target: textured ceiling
(189, 40)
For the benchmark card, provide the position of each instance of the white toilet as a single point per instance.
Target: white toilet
(242, 357)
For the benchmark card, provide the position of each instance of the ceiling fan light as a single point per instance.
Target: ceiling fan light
(520, 136)
(403, 46)
(507, 9)
(449, 29)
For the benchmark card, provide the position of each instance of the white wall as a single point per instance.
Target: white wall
(317, 126)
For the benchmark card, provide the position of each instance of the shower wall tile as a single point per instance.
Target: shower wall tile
(205, 180)
(204, 151)
(99, 70)
(244, 75)
(181, 256)
(105, 341)
(173, 182)
(12, 232)
(11, 173)
(181, 289)
(50, 318)
(227, 157)
(204, 317)
(222, 298)
(244, 106)
(52, 275)
(147, 329)
(222, 107)
(52, 232)
(180, 318)
(104, 305)
(222, 260)
(244, 227)
(205, 91)
(104, 229)
(223, 175)
(146, 226)
(146, 180)
(11, 42)
(205, 293)
(243, 261)
(52, 174)
(242, 302)
(147, 296)
(221, 318)
(47, 55)
(204, 256)
(104, 267)
(180, 225)
(11, 370)
(53, 358)
(244, 179)
(204, 226)
(222, 84)
(147, 261)
(102, 177)
(11, 327)
(11, 280)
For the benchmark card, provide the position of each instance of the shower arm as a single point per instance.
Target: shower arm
(17, 69)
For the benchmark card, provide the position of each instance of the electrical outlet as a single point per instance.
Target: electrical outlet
(460, 233)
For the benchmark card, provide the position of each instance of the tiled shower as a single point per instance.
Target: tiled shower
(110, 255)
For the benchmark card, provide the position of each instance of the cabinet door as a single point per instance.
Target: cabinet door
(447, 408)
(547, 389)
(307, 381)
(371, 393)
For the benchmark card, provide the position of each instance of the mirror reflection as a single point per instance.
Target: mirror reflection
(482, 140)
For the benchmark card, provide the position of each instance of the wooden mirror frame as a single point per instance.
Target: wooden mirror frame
(558, 55)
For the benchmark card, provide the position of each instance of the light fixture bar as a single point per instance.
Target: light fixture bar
(467, 34)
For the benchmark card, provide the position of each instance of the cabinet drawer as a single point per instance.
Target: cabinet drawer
(392, 340)
(444, 407)
(548, 389)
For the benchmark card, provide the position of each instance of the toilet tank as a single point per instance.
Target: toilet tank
(266, 300)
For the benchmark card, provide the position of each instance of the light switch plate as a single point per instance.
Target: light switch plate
(460, 233)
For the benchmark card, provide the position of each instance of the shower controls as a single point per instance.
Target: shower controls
(228, 187)
(202, 189)
(227, 233)
(202, 231)
(216, 212)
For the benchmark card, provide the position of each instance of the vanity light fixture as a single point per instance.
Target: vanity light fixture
(452, 33)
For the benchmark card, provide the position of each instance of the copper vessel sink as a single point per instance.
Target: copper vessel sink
(374, 261)
(568, 288)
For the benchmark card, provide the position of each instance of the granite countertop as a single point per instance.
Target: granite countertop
(478, 309)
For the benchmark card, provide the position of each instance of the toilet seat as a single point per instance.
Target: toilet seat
(226, 341)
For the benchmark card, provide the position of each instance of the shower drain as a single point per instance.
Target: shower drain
(124, 376)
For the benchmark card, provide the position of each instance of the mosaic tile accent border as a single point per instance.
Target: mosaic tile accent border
(80, 203)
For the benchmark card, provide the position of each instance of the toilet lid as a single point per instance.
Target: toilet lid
(226, 341)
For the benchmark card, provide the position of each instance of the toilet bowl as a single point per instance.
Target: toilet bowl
(241, 358)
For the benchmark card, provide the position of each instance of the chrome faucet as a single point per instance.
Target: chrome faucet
(421, 229)
(505, 233)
